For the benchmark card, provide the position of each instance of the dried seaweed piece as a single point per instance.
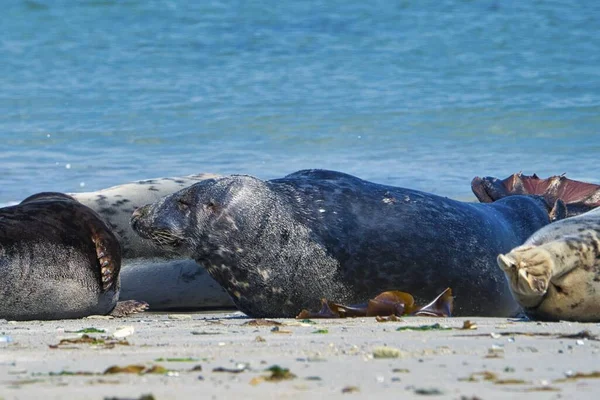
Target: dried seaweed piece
(434, 327)
(105, 342)
(510, 382)
(88, 330)
(142, 397)
(279, 374)
(391, 303)
(350, 389)
(578, 197)
(129, 369)
(262, 322)
(279, 330)
(478, 376)
(385, 304)
(441, 306)
(236, 370)
(579, 375)
(324, 312)
(70, 373)
(469, 325)
(583, 334)
(391, 318)
(136, 369)
(428, 391)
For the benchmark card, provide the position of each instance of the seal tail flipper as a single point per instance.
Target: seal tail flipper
(128, 307)
(488, 189)
(578, 196)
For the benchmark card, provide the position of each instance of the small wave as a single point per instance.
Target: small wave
(10, 203)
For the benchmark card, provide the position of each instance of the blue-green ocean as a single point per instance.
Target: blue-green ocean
(421, 94)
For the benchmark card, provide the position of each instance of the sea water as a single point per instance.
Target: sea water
(420, 94)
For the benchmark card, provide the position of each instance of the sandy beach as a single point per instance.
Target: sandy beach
(226, 355)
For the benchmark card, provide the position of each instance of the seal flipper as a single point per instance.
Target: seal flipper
(559, 211)
(128, 307)
(578, 197)
(488, 189)
(108, 267)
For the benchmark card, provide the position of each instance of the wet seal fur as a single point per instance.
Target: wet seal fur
(149, 273)
(58, 259)
(279, 246)
(555, 274)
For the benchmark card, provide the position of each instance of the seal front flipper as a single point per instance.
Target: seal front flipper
(128, 307)
(528, 270)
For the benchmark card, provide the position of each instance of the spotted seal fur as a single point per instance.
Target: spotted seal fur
(279, 246)
(58, 259)
(555, 274)
(161, 278)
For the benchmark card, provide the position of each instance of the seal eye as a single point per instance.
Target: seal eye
(211, 206)
(183, 204)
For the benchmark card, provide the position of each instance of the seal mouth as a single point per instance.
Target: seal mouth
(165, 238)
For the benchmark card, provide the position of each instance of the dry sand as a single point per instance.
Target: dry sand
(330, 359)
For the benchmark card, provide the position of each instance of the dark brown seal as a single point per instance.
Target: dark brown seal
(279, 246)
(58, 259)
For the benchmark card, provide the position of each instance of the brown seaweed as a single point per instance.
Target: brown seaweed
(585, 334)
(385, 304)
(578, 197)
(441, 306)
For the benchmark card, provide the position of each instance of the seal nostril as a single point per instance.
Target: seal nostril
(139, 212)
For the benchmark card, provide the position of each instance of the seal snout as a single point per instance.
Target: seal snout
(139, 212)
(136, 218)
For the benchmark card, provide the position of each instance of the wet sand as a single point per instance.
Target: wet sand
(179, 356)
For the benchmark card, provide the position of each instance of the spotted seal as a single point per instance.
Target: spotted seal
(161, 278)
(58, 259)
(279, 246)
(555, 274)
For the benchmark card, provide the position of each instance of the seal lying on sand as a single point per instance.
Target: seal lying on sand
(58, 259)
(161, 278)
(279, 246)
(579, 197)
(555, 274)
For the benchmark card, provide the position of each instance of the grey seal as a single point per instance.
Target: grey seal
(279, 246)
(58, 259)
(161, 278)
(555, 274)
